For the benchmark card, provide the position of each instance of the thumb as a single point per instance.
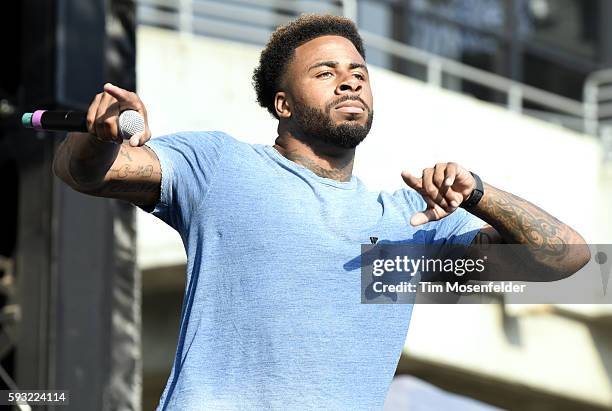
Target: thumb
(137, 139)
(423, 217)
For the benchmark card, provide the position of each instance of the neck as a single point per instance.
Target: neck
(324, 161)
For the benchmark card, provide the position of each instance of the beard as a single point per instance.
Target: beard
(316, 125)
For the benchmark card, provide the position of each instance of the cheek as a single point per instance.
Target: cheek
(368, 97)
(316, 98)
(320, 95)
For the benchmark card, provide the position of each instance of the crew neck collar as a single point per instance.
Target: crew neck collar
(345, 185)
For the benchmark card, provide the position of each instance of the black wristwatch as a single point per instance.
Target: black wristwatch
(476, 194)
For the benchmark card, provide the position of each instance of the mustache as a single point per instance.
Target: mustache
(346, 98)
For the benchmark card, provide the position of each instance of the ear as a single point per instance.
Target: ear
(281, 104)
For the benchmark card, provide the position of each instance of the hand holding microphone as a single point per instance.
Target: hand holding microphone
(113, 115)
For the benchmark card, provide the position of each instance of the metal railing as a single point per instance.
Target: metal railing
(249, 21)
(252, 21)
(436, 66)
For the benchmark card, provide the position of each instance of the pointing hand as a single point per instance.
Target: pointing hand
(443, 187)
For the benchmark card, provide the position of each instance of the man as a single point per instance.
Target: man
(271, 317)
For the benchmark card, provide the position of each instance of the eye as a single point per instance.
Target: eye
(325, 74)
(359, 76)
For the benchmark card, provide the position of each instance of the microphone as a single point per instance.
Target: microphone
(130, 121)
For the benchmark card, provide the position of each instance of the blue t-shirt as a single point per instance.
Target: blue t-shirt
(272, 315)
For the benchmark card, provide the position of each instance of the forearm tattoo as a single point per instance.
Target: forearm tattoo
(90, 159)
(132, 179)
(520, 222)
(555, 247)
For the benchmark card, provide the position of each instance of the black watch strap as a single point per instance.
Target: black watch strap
(476, 195)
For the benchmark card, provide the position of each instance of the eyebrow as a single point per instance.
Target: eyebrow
(334, 64)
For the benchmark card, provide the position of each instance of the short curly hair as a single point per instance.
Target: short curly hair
(279, 51)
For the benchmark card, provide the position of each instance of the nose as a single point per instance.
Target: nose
(349, 84)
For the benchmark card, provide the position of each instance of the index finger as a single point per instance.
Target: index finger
(122, 96)
(127, 100)
(412, 181)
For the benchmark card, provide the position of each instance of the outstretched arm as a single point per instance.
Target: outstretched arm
(100, 163)
(553, 247)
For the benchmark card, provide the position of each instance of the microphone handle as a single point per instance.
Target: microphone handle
(64, 121)
(130, 122)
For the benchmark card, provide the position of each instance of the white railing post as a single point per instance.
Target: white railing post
(515, 99)
(591, 100)
(606, 142)
(186, 17)
(350, 10)
(434, 72)
(591, 121)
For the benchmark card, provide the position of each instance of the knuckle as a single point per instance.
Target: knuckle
(108, 126)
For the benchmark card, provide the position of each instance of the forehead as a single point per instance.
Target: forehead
(336, 48)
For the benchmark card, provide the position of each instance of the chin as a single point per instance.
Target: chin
(361, 120)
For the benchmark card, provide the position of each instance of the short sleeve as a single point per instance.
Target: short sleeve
(458, 228)
(189, 162)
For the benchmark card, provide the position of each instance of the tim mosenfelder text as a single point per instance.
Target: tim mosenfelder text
(459, 267)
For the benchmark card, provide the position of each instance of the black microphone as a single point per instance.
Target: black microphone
(130, 121)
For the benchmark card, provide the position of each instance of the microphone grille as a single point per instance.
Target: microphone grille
(130, 123)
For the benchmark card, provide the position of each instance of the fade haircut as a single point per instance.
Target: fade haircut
(279, 51)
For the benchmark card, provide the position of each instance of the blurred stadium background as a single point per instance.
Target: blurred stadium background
(519, 91)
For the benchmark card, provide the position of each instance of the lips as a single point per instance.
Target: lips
(350, 106)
